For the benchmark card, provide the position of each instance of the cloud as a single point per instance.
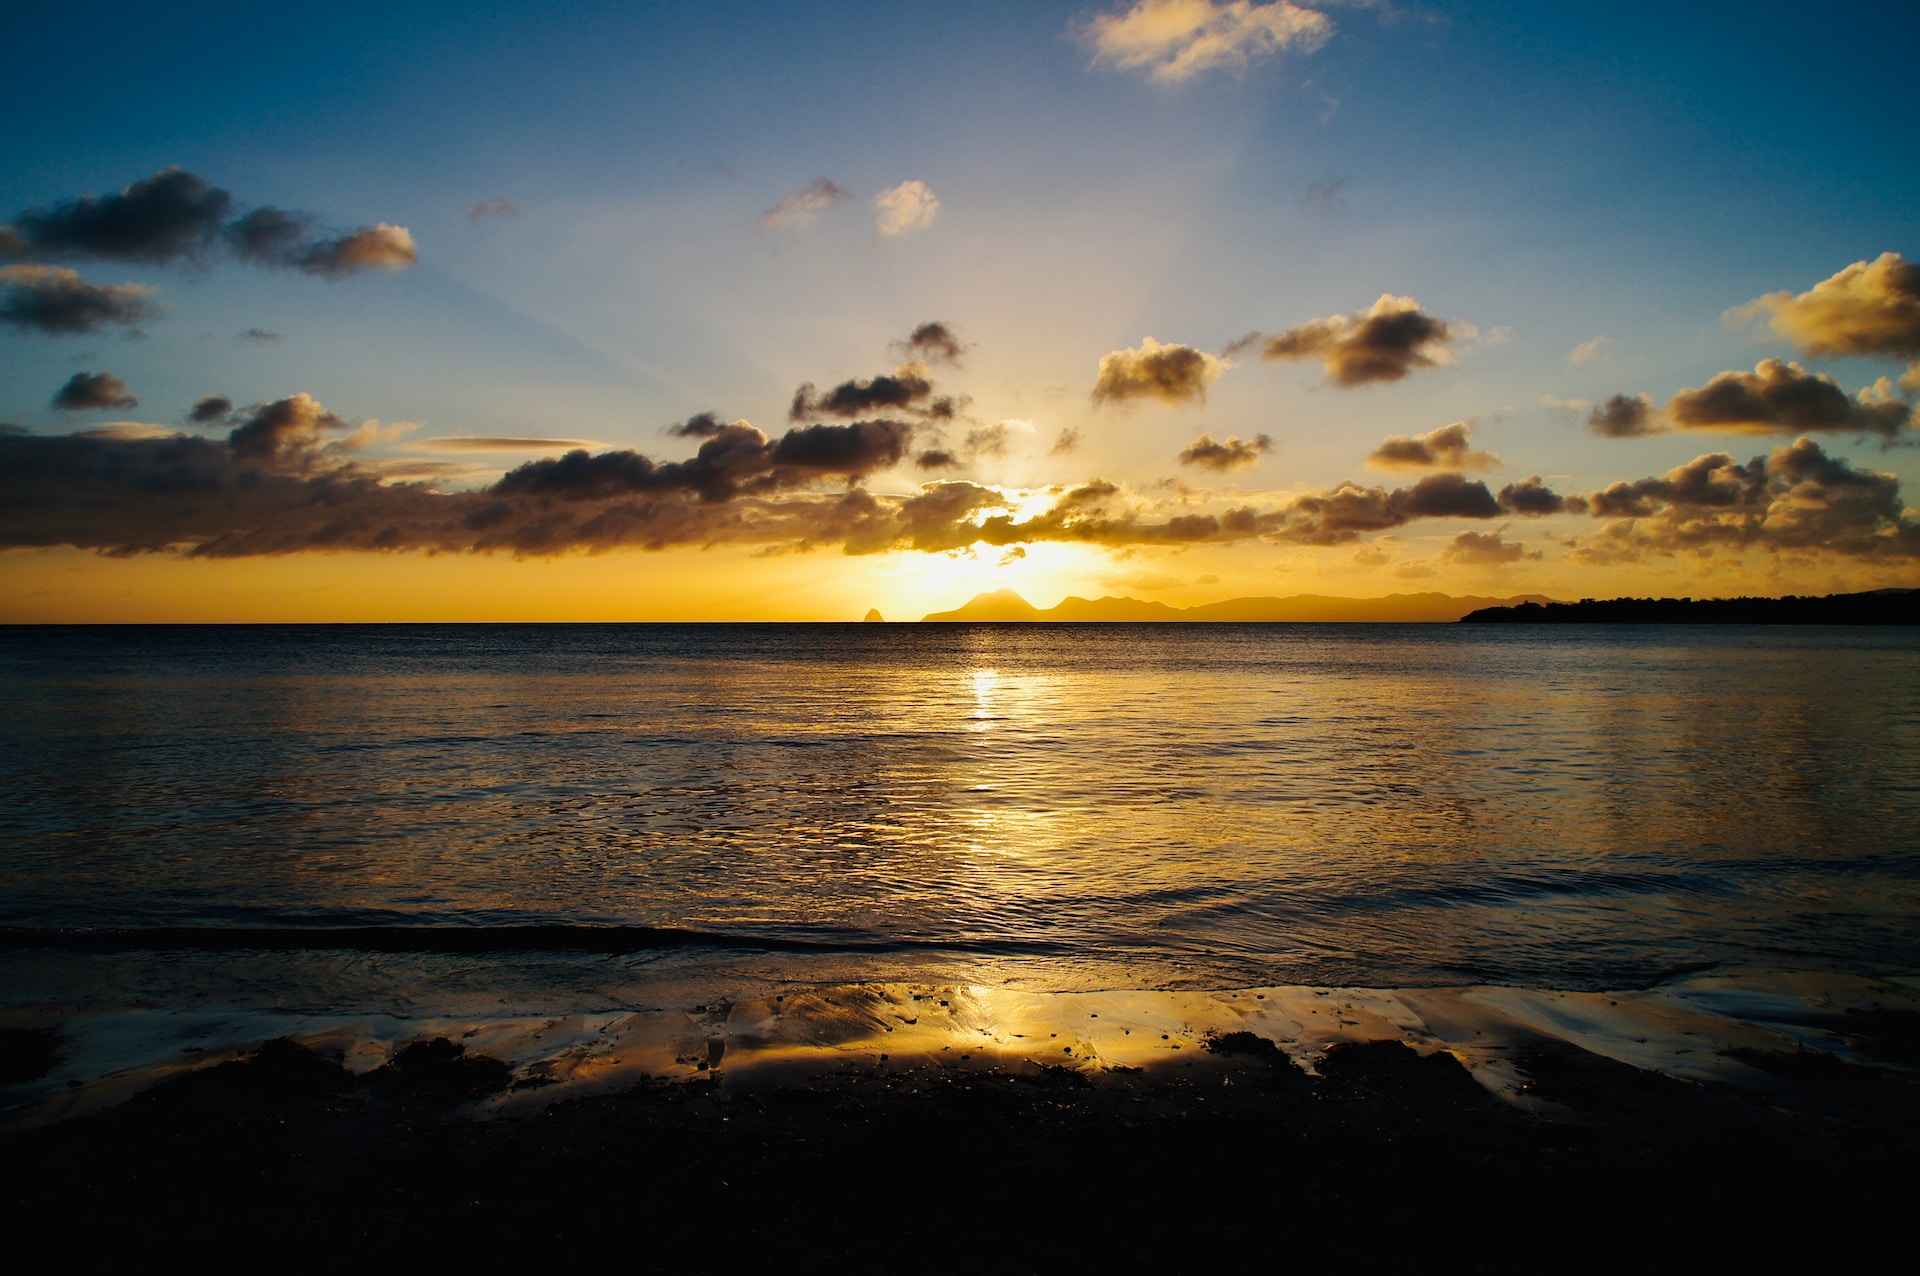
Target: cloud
(1487, 549)
(259, 336)
(937, 459)
(933, 342)
(799, 208)
(213, 407)
(1532, 498)
(268, 236)
(276, 486)
(88, 391)
(1781, 398)
(1385, 342)
(169, 215)
(283, 432)
(1065, 442)
(989, 440)
(381, 247)
(904, 389)
(703, 425)
(1870, 308)
(1796, 498)
(500, 443)
(129, 432)
(1624, 417)
(498, 206)
(1230, 453)
(1587, 351)
(739, 459)
(54, 299)
(1447, 448)
(1175, 40)
(275, 237)
(1169, 373)
(905, 209)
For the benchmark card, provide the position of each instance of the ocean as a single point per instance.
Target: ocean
(413, 818)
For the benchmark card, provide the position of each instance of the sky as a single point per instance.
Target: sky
(851, 307)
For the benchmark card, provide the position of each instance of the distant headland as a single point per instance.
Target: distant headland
(1877, 607)
(1006, 605)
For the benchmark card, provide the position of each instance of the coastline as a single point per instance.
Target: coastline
(923, 1126)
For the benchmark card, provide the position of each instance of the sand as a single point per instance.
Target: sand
(1712, 1122)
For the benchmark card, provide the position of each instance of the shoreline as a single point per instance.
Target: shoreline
(958, 1128)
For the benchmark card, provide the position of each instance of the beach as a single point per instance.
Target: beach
(951, 1128)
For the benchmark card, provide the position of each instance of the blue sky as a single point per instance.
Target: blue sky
(1549, 174)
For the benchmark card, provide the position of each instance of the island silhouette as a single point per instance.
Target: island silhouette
(1006, 605)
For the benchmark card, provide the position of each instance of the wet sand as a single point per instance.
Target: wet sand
(1755, 1120)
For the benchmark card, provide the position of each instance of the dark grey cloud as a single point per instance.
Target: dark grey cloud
(935, 458)
(1383, 343)
(1450, 447)
(1168, 373)
(169, 215)
(56, 300)
(89, 391)
(933, 342)
(214, 407)
(498, 206)
(737, 460)
(1782, 398)
(261, 336)
(1532, 498)
(1487, 549)
(1230, 453)
(703, 425)
(1623, 417)
(175, 214)
(269, 236)
(904, 389)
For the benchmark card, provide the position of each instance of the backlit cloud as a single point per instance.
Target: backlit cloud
(1795, 498)
(1385, 342)
(1168, 373)
(1450, 447)
(1623, 416)
(1175, 40)
(1230, 453)
(905, 388)
(1870, 308)
(381, 247)
(799, 208)
(90, 391)
(1781, 398)
(905, 209)
(55, 299)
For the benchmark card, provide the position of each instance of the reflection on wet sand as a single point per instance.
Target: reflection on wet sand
(1703, 1029)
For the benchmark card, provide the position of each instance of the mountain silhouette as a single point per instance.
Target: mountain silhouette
(1006, 605)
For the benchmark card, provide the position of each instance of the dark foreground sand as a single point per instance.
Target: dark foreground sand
(1226, 1156)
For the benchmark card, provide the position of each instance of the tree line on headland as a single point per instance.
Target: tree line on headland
(1876, 607)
